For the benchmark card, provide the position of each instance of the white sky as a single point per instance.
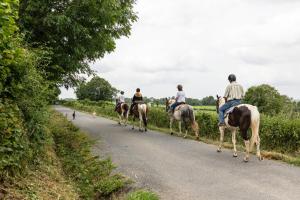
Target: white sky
(197, 43)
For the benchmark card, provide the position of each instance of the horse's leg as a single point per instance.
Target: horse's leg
(221, 138)
(234, 142)
(120, 119)
(247, 145)
(171, 123)
(179, 127)
(141, 119)
(258, 148)
(133, 122)
(186, 129)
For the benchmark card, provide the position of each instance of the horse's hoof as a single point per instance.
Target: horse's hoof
(197, 138)
(246, 160)
(145, 130)
(235, 155)
(172, 133)
(219, 150)
(132, 128)
(184, 137)
(260, 158)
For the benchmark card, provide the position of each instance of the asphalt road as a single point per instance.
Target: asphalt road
(177, 168)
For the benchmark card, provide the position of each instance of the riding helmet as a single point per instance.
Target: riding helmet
(179, 87)
(122, 92)
(231, 78)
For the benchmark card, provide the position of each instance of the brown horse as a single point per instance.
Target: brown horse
(242, 117)
(123, 111)
(140, 111)
(182, 113)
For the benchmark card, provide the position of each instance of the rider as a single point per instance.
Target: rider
(180, 98)
(137, 98)
(120, 99)
(233, 95)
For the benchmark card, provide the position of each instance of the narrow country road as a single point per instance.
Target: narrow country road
(182, 169)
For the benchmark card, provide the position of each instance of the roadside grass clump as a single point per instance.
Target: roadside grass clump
(142, 195)
(92, 176)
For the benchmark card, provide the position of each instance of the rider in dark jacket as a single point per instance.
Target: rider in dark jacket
(137, 98)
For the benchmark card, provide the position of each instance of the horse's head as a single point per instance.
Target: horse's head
(169, 102)
(220, 102)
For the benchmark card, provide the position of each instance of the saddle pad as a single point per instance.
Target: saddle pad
(228, 111)
(179, 106)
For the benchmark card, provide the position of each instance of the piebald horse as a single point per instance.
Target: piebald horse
(123, 111)
(182, 113)
(140, 111)
(243, 117)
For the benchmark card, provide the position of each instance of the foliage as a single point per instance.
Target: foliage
(13, 142)
(77, 32)
(91, 175)
(266, 98)
(210, 100)
(142, 195)
(96, 89)
(193, 102)
(24, 95)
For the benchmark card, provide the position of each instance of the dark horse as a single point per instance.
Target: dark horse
(243, 117)
(123, 110)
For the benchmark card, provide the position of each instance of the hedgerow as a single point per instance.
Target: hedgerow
(277, 133)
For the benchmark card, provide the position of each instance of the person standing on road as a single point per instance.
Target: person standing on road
(74, 115)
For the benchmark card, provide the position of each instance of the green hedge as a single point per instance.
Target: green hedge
(276, 133)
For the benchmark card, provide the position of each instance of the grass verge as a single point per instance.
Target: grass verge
(142, 195)
(68, 170)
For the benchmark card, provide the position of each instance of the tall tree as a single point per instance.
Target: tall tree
(267, 99)
(96, 89)
(208, 101)
(77, 32)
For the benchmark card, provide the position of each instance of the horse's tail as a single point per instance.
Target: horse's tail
(144, 114)
(126, 109)
(255, 120)
(193, 121)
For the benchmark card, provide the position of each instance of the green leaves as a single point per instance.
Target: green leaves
(76, 31)
(96, 89)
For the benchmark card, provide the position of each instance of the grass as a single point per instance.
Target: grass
(67, 170)
(44, 181)
(93, 177)
(142, 195)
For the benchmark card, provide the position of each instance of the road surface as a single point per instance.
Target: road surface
(182, 169)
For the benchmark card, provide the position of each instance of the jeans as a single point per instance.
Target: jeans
(225, 107)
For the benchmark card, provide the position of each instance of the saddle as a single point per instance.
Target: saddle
(179, 106)
(229, 110)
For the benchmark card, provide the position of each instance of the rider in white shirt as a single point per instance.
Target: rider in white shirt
(180, 97)
(120, 99)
